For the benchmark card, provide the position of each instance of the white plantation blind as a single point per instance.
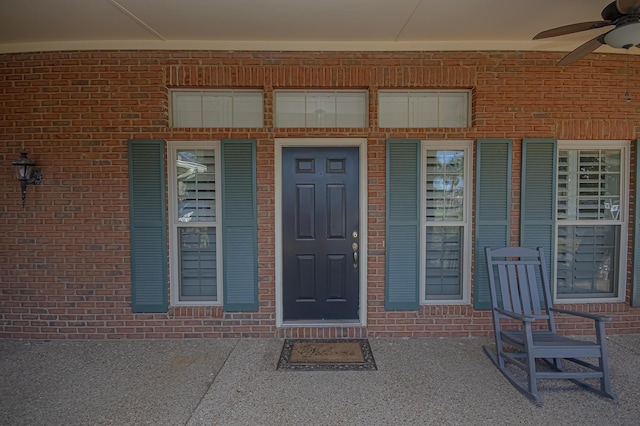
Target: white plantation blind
(591, 215)
(444, 262)
(196, 185)
(445, 221)
(587, 259)
(195, 237)
(445, 185)
(198, 263)
(589, 185)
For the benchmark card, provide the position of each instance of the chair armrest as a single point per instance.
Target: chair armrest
(594, 317)
(523, 318)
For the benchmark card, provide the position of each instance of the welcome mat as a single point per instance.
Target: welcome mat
(318, 355)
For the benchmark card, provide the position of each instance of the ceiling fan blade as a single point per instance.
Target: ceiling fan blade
(572, 28)
(582, 51)
(628, 7)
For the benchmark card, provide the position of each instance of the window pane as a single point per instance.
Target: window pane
(247, 109)
(445, 185)
(351, 110)
(217, 110)
(187, 110)
(198, 269)
(589, 184)
(290, 109)
(423, 110)
(587, 260)
(452, 110)
(196, 185)
(321, 110)
(444, 263)
(393, 110)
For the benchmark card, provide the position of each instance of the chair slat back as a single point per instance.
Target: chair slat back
(521, 274)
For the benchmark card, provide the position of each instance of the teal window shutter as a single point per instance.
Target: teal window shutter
(239, 225)
(403, 225)
(538, 197)
(635, 290)
(148, 226)
(493, 198)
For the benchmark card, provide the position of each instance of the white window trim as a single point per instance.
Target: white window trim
(174, 278)
(467, 147)
(623, 221)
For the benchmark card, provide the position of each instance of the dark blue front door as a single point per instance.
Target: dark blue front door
(320, 233)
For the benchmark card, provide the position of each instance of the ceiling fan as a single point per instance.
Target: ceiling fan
(623, 14)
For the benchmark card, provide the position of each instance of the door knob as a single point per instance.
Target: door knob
(354, 247)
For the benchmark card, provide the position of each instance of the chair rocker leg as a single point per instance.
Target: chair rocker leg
(602, 391)
(605, 383)
(497, 361)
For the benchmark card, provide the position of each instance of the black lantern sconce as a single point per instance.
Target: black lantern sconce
(26, 173)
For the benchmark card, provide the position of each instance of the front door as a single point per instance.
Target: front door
(320, 233)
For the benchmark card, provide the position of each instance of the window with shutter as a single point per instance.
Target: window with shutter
(591, 224)
(194, 178)
(446, 222)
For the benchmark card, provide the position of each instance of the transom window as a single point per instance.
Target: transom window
(217, 108)
(195, 238)
(591, 226)
(315, 108)
(427, 108)
(446, 222)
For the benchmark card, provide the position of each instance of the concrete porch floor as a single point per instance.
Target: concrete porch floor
(235, 382)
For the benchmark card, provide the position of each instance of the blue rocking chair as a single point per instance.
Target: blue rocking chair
(525, 328)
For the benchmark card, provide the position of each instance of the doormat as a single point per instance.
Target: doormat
(323, 355)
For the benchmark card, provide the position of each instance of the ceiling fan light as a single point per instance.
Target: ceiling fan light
(624, 36)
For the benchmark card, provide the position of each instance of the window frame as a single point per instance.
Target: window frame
(202, 93)
(466, 224)
(622, 222)
(174, 224)
(307, 94)
(438, 93)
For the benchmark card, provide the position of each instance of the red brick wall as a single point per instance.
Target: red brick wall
(64, 259)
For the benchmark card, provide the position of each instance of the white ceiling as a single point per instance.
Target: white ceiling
(35, 25)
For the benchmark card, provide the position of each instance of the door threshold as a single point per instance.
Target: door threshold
(322, 323)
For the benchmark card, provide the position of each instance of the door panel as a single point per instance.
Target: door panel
(320, 212)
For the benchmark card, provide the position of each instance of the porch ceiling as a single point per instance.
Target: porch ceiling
(35, 25)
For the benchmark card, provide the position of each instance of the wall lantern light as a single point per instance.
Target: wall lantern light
(26, 173)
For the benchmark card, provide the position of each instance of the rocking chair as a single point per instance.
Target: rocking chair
(529, 331)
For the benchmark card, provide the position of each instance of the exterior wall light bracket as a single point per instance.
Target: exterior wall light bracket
(26, 173)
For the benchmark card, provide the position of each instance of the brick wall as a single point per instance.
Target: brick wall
(64, 259)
